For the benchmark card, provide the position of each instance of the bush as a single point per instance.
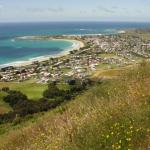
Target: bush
(14, 97)
(24, 108)
(1, 76)
(52, 91)
(7, 117)
(5, 89)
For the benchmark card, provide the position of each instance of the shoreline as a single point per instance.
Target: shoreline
(76, 45)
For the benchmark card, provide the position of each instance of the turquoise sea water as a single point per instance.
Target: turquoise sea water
(23, 50)
(19, 50)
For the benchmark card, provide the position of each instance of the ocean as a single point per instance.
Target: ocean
(12, 50)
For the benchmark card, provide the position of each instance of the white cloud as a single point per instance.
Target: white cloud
(51, 10)
(56, 10)
(106, 10)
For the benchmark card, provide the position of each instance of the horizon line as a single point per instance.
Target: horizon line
(76, 21)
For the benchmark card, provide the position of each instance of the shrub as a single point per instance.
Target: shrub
(14, 97)
(52, 91)
(5, 89)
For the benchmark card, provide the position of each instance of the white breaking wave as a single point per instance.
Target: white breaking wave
(12, 40)
(83, 29)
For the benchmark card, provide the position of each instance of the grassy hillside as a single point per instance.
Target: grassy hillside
(112, 115)
(143, 33)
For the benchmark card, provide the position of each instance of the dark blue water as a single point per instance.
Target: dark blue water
(65, 28)
(10, 52)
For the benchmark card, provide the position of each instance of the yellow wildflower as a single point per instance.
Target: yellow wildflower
(119, 147)
(128, 139)
(131, 127)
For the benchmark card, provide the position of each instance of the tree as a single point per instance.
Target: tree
(14, 97)
(52, 91)
(27, 107)
(71, 82)
(5, 89)
(1, 76)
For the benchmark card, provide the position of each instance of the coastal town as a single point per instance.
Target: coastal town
(99, 52)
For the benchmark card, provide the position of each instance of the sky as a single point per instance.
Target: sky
(74, 10)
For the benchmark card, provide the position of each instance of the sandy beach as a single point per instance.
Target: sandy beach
(76, 45)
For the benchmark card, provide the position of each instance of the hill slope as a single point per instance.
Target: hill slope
(112, 115)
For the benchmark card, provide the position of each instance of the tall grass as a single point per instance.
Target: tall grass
(113, 115)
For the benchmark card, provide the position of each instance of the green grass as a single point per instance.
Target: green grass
(109, 116)
(109, 74)
(145, 35)
(4, 107)
(32, 90)
(105, 66)
(63, 86)
(66, 70)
